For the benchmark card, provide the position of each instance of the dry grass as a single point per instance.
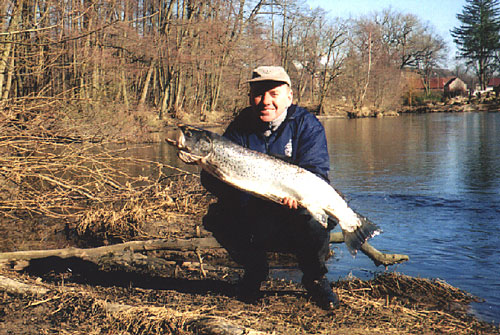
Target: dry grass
(285, 309)
(48, 175)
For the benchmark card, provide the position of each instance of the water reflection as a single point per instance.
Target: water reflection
(151, 160)
(481, 164)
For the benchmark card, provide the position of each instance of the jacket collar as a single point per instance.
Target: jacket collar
(290, 113)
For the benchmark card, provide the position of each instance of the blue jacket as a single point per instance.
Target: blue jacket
(300, 140)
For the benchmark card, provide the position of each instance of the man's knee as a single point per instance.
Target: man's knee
(312, 245)
(218, 218)
(309, 231)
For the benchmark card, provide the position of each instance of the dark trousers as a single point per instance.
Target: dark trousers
(248, 232)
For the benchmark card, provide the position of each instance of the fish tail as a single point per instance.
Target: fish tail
(354, 240)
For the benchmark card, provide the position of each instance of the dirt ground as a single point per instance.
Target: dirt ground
(80, 298)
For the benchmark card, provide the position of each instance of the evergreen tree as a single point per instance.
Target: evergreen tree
(478, 38)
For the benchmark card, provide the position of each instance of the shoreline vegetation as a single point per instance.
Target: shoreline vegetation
(62, 187)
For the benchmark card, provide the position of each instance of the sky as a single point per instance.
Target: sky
(441, 14)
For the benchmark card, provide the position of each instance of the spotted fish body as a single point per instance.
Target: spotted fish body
(272, 179)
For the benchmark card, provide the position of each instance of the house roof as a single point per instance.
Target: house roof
(450, 81)
(439, 82)
(435, 83)
(494, 82)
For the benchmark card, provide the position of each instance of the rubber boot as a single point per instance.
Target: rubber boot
(256, 271)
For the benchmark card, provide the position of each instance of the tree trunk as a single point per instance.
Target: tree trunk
(368, 71)
(145, 88)
(10, 74)
(123, 87)
(7, 45)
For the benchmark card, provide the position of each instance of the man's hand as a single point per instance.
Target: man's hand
(290, 203)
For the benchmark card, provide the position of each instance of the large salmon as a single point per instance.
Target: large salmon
(273, 179)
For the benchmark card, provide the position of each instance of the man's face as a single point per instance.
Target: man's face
(270, 99)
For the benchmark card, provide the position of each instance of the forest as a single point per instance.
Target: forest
(113, 63)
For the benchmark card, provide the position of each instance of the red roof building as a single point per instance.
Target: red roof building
(494, 82)
(438, 83)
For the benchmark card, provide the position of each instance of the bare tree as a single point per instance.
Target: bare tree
(382, 46)
(331, 57)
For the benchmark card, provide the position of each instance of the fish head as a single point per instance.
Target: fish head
(194, 144)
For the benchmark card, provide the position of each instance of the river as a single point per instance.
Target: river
(432, 183)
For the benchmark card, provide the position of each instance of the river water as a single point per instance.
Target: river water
(432, 183)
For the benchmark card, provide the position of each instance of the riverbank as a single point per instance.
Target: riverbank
(456, 105)
(389, 304)
(104, 123)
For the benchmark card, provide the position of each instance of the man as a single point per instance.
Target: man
(248, 227)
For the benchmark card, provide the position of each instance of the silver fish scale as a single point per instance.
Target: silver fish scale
(273, 179)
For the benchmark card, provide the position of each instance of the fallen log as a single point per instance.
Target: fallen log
(132, 246)
(16, 287)
(376, 256)
(194, 244)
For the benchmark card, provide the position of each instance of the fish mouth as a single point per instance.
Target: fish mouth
(184, 152)
(179, 142)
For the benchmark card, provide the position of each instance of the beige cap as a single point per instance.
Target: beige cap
(271, 73)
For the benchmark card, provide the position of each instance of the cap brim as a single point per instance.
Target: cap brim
(256, 80)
